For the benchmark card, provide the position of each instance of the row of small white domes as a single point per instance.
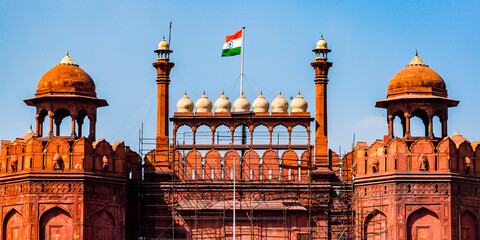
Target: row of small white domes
(260, 105)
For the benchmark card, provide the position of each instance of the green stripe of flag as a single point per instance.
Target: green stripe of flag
(231, 51)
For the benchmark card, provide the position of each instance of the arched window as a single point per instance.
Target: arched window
(203, 135)
(261, 135)
(184, 135)
(299, 135)
(222, 135)
(241, 135)
(280, 135)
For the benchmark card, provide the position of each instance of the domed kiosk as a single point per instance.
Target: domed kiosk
(417, 91)
(66, 90)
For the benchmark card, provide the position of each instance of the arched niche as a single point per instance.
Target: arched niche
(33, 158)
(213, 165)
(261, 135)
(280, 135)
(229, 159)
(241, 135)
(184, 135)
(56, 223)
(203, 135)
(193, 165)
(13, 225)
(469, 225)
(375, 226)
(423, 224)
(251, 165)
(270, 165)
(222, 135)
(290, 165)
(299, 135)
(103, 225)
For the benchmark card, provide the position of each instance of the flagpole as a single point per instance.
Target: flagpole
(234, 200)
(241, 69)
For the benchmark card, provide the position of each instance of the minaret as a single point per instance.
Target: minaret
(163, 66)
(321, 67)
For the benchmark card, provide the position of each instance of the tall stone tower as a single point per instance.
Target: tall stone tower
(321, 66)
(163, 67)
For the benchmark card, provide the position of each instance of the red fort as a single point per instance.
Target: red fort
(288, 183)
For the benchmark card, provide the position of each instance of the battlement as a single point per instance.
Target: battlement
(61, 154)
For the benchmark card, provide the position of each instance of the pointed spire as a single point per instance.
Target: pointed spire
(185, 93)
(298, 92)
(280, 92)
(67, 60)
(222, 93)
(260, 92)
(417, 61)
(204, 92)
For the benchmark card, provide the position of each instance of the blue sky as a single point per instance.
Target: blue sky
(114, 41)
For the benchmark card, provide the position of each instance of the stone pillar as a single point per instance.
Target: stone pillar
(321, 67)
(50, 116)
(93, 121)
(407, 124)
(390, 127)
(430, 126)
(73, 134)
(444, 128)
(80, 124)
(163, 67)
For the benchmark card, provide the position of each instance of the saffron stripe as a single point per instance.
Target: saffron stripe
(234, 36)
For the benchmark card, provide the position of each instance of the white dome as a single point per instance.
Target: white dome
(241, 104)
(260, 104)
(163, 45)
(203, 104)
(222, 104)
(299, 104)
(279, 104)
(321, 44)
(185, 104)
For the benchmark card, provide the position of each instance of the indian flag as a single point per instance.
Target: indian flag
(233, 44)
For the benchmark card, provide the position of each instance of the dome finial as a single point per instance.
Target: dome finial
(416, 52)
(67, 60)
(260, 92)
(203, 92)
(241, 92)
(280, 92)
(298, 92)
(185, 93)
(223, 93)
(321, 36)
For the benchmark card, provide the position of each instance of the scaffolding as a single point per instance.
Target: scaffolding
(273, 202)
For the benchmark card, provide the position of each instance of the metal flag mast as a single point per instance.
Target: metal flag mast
(241, 69)
(234, 201)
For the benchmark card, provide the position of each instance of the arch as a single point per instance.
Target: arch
(82, 126)
(280, 135)
(59, 115)
(251, 165)
(241, 134)
(419, 123)
(42, 114)
(375, 226)
(261, 134)
(469, 227)
(103, 225)
(213, 165)
(193, 165)
(56, 223)
(270, 165)
(290, 165)
(203, 134)
(299, 135)
(305, 164)
(398, 121)
(423, 224)
(228, 161)
(13, 225)
(222, 135)
(437, 126)
(184, 135)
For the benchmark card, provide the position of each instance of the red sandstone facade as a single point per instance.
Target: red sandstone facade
(77, 187)
(417, 187)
